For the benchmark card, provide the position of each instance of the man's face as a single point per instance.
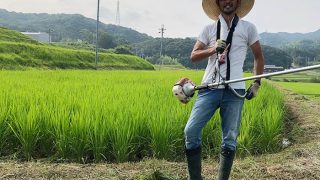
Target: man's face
(228, 6)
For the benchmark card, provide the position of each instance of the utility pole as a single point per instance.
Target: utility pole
(50, 35)
(97, 32)
(118, 14)
(162, 29)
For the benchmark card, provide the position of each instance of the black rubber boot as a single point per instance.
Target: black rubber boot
(226, 161)
(194, 163)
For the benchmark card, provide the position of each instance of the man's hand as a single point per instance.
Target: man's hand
(252, 91)
(220, 46)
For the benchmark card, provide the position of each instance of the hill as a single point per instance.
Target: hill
(303, 48)
(74, 27)
(283, 38)
(305, 52)
(66, 26)
(19, 52)
(272, 56)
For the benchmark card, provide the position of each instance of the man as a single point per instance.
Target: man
(225, 43)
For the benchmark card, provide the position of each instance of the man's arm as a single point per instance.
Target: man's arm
(258, 58)
(200, 52)
(258, 69)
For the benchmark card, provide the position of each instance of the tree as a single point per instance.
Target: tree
(167, 60)
(123, 50)
(272, 56)
(106, 41)
(87, 36)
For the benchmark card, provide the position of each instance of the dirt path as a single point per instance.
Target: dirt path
(301, 160)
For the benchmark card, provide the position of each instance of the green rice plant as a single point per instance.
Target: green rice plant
(98, 134)
(121, 138)
(59, 119)
(4, 117)
(79, 135)
(248, 132)
(163, 126)
(271, 132)
(211, 136)
(307, 76)
(161, 132)
(309, 89)
(25, 127)
(262, 122)
(119, 116)
(45, 145)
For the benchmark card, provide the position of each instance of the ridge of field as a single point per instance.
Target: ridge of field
(17, 51)
(118, 116)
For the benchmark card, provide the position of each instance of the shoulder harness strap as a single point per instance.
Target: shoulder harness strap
(229, 40)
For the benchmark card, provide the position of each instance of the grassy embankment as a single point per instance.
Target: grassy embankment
(20, 52)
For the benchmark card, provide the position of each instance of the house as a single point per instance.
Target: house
(38, 36)
(272, 68)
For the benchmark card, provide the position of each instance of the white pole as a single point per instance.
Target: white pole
(97, 32)
(258, 76)
(162, 29)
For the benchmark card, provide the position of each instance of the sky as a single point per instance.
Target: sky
(181, 18)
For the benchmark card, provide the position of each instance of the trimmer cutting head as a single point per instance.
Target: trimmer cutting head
(184, 90)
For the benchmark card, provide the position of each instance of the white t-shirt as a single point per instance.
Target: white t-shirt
(245, 35)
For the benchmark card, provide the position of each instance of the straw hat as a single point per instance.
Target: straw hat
(211, 8)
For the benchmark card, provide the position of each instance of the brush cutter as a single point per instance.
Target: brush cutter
(184, 89)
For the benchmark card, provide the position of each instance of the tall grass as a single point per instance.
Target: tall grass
(117, 116)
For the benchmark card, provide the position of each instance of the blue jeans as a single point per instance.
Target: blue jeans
(208, 101)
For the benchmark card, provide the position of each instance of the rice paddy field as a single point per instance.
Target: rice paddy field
(306, 83)
(118, 116)
(306, 76)
(308, 89)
